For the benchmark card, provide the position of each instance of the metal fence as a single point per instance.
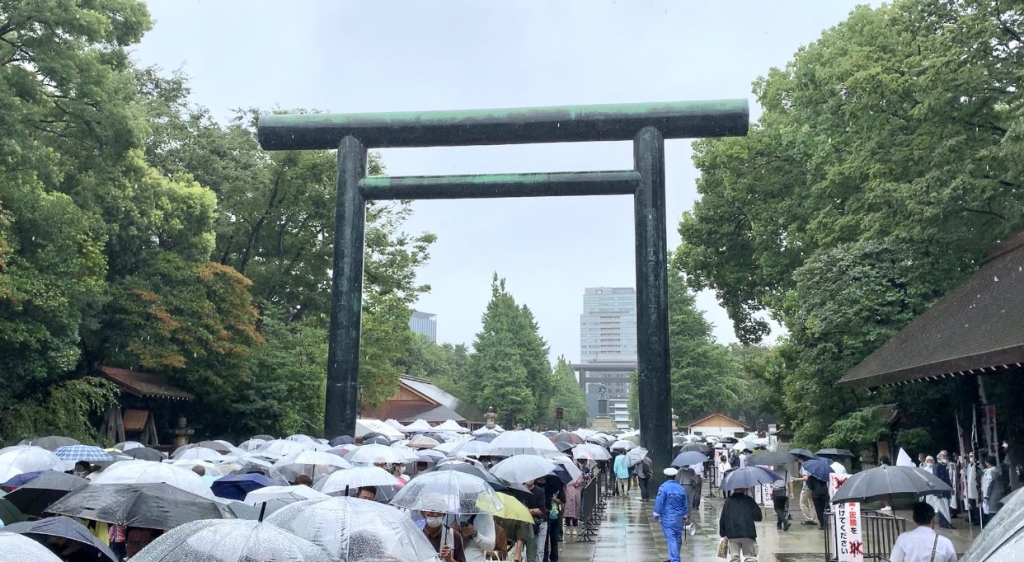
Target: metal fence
(878, 532)
(592, 508)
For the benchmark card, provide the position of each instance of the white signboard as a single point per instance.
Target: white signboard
(847, 522)
(834, 482)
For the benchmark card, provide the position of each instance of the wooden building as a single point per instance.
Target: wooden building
(418, 398)
(148, 409)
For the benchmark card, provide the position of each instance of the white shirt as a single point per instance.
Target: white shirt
(476, 547)
(916, 546)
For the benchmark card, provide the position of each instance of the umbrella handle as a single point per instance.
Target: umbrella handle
(263, 510)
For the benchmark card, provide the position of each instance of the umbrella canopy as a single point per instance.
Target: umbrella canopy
(51, 443)
(216, 446)
(10, 514)
(818, 468)
(126, 446)
(341, 440)
(63, 527)
(522, 468)
(523, 442)
(835, 453)
(27, 458)
(301, 438)
(1002, 538)
(198, 454)
(370, 454)
(886, 480)
(451, 425)
(777, 458)
(252, 444)
(569, 466)
(37, 494)
(470, 468)
(636, 456)
(429, 456)
(694, 447)
(236, 486)
(280, 448)
(418, 426)
(153, 506)
(354, 529)
(473, 448)
(748, 477)
(622, 445)
(235, 540)
(448, 491)
(590, 451)
(145, 472)
(273, 498)
(368, 427)
(145, 454)
(211, 470)
(566, 437)
(513, 509)
(88, 453)
(802, 453)
(688, 458)
(310, 463)
(423, 442)
(354, 478)
(16, 548)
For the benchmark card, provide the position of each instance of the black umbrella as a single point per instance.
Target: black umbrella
(689, 458)
(10, 514)
(341, 440)
(748, 477)
(728, 440)
(34, 496)
(563, 446)
(777, 458)
(152, 506)
(145, 454)
(804, 453)
(887, 480)
(51, 443)
(832, 452)
(486, 438)
(695, 448)
(64, 527)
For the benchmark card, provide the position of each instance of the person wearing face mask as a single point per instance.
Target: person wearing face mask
(923, 544)
(447, 543)
(82, 469)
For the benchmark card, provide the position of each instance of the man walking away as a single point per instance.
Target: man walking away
(780, 499)
(923, 544)
(621, 468)
(739, 514)
(644, 473)
(670, 509)
(819, 495)
(806, 503)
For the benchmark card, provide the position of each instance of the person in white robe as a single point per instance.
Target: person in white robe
(939, 504)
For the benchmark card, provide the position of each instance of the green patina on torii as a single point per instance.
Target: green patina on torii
(647, 125)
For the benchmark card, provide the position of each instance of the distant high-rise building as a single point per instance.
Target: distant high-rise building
(608, 351)
(424, 323)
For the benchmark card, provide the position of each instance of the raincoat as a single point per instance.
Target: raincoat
(671, 508)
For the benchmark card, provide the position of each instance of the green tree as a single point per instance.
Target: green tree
(567, 394)
(508, 367)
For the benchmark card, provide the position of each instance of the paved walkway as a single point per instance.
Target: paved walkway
(629, 533)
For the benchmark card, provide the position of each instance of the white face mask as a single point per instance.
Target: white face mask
(434, 522)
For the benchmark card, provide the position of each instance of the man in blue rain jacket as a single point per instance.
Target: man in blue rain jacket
(671, 508)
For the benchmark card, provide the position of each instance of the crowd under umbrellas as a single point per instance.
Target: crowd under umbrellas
(291, 498)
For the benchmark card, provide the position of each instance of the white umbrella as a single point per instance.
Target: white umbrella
(485, 431)
(419, 426)
(252, 444)
(299, 437)
(367, 426)
(199, 454)
(523, 442)
(569, 466)
(126, 446)
(19, 547)
(449, 447)
(224, 540)
(310, 463)
(590, 451)
(411, 455)
(27, 458)
(146, 472)
(622, 446)
(370, 454)
(473, 448)
(453, 426)
(354, 478)
(636, 456)
(288, 494)
(522, 468)
(448, 491)
(280, 448)
(211, 469)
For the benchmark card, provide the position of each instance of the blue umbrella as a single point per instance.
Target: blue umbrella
(818, 468)
(748, 477)
(19, 480)
(236, 486)
(688, 458)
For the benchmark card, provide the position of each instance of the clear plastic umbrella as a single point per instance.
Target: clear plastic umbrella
(27, 458)
(370, 454)
(126, 446)
(522, 468)
(344, 480)
(51, 443)
(590, 451)
(569, 466)
(17, 548)
(352, 530)
(146, 472)
(636, 455)
(199, 454)
(523, 442)
(310, 463)
(473, 449)
(622, 445)
(272, 498)
(233, 540)
(423, 442)
(214, 470)
(280, 448)
(251, 444)
(448, 491)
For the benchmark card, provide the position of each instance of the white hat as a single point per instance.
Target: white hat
(670, 471)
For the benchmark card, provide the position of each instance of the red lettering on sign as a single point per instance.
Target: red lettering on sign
(857, 548)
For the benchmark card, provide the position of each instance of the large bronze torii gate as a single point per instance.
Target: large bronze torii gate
(647, 125)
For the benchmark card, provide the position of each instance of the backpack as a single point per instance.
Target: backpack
(643, 470)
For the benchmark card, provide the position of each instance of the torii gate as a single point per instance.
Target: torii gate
(647, 125)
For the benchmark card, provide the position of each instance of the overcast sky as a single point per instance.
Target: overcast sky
(365, 56)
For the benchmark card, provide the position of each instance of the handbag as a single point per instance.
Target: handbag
(723, 547)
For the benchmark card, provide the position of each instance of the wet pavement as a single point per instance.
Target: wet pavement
(628, 533)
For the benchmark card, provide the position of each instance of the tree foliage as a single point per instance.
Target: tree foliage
(566, 393)
(885, 164)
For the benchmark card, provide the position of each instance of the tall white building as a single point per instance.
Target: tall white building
(608, 351)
